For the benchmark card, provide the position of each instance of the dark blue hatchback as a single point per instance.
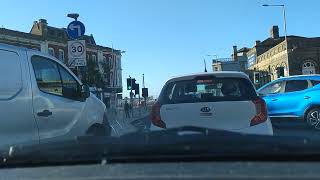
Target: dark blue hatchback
(295, 97)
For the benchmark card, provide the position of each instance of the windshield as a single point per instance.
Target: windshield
(158, 77)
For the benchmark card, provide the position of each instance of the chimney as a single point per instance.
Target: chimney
(43, 26)
(43, 21)
(257, 42)
(235, 53)
(274, 32)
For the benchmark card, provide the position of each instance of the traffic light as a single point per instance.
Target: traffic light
(280, 72)
(256, 77)
(136, 89)
(145, 92)
(131, 83)
(129, 87)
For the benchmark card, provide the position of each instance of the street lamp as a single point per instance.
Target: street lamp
(284, 16)
(214, 55)
(73, 15)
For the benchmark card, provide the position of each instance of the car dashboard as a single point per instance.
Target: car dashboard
(171, 170)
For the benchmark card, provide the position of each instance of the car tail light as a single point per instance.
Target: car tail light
(261, 110)
(155, 116)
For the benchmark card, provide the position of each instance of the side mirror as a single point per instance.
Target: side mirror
(69, 92)
(84, 91)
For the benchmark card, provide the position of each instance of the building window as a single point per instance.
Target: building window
(61, 55)
(94, 58)
(51, 51)
(308, 68)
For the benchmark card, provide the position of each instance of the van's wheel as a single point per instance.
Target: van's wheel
(312, 118)
(97, 130)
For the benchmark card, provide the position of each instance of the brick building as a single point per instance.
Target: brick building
(103, 71)
(277, 56)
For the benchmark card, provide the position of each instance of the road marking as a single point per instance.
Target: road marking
(119, 124)
(117, 133)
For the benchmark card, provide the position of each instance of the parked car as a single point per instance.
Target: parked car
(219, 100)
(42, 100)
(295, 97)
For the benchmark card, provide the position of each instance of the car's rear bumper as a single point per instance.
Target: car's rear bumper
(259, 129)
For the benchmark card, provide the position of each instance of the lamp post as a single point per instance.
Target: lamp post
(284, 16)
(213, 55)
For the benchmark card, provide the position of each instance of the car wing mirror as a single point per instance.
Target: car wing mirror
(84, 91)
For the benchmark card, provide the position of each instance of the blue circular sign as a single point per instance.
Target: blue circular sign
(76, 29)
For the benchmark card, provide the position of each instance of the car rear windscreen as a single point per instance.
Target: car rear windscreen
(208, 90)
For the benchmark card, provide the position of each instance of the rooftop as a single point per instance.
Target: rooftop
(9, 32)
(302, 77)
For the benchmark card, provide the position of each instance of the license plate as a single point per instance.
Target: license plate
(205, 114)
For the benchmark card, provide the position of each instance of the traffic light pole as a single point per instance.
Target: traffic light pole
(145, 99)
(131, 100)
(139, 106)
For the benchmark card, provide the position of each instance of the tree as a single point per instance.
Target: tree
(94, 77)
(106, 71)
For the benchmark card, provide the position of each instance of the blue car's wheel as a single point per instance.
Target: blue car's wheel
(313, 118)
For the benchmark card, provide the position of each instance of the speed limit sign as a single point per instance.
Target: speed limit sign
(77, 53)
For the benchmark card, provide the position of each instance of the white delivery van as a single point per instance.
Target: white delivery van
(41, 100)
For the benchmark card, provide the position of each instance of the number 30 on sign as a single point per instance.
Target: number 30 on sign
(77, 53)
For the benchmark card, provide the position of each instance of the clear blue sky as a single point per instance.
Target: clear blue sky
(164, 38)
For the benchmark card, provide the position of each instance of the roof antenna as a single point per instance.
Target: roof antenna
(205, 65)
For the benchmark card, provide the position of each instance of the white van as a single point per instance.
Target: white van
(41, 100)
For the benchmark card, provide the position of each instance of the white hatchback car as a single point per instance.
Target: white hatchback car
(219, 100)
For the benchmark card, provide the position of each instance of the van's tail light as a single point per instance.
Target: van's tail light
(261, 110)
(155, 116)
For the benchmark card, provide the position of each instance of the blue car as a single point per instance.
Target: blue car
(295, 97)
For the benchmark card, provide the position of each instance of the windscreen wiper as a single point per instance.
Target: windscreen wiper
(172, 143)
(197, 141)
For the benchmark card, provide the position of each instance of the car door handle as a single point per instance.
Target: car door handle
(307, 97)
(44, 113)
(275, 99)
